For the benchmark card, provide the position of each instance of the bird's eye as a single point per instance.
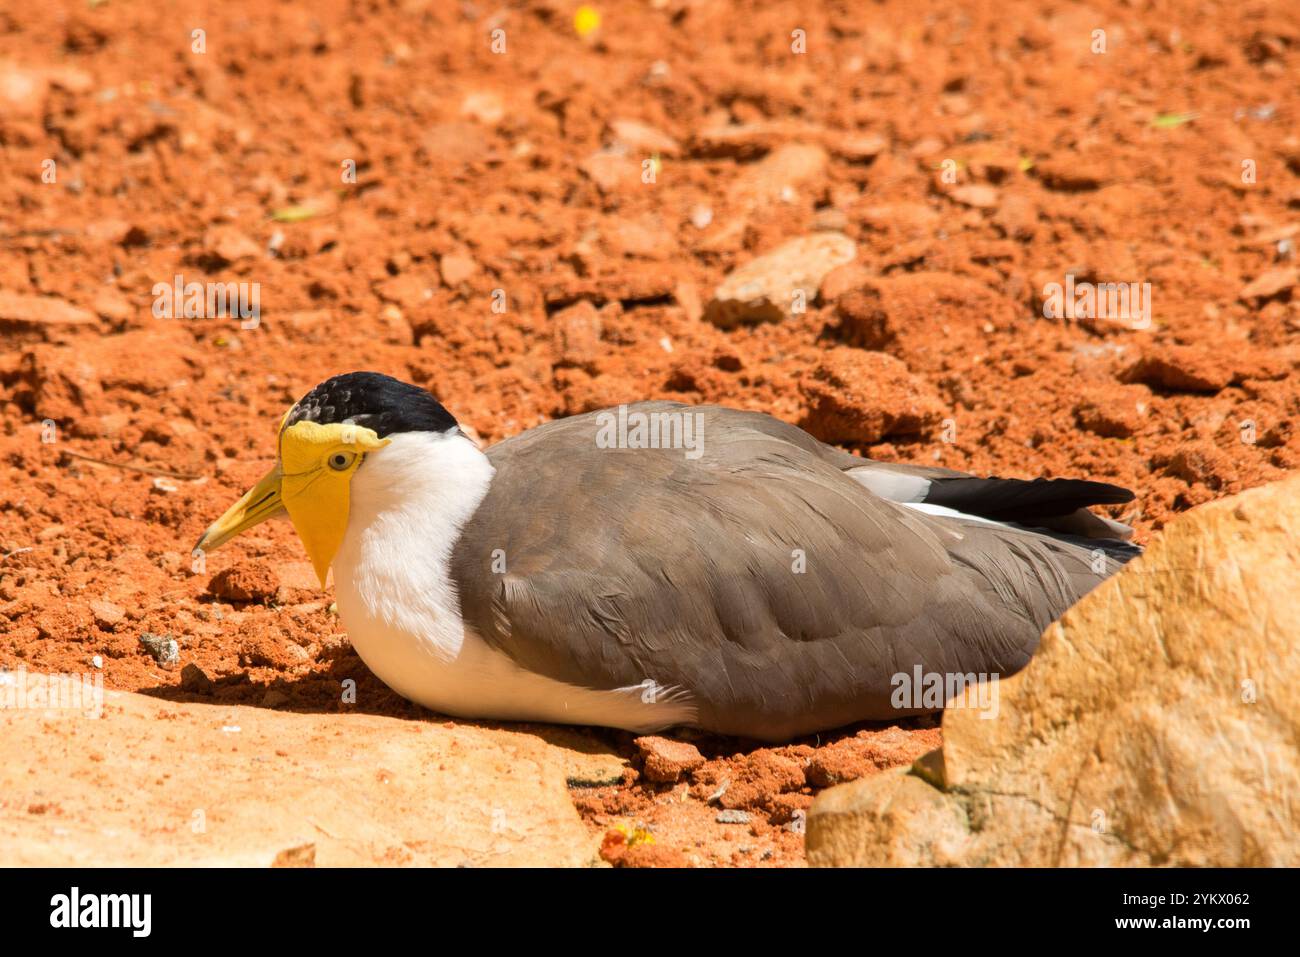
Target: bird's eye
(339, 461)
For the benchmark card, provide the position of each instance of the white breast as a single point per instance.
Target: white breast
(409, 502)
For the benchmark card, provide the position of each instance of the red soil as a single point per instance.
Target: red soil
(521, 172)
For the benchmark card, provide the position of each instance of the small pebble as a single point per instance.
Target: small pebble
(701, 217)
(163, 648)
(732, 817)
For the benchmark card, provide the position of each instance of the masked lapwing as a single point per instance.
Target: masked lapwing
(662, 564)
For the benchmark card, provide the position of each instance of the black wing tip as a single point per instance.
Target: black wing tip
(1012, 499)
(1105, 492)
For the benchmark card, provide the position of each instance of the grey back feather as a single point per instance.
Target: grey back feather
(761, 580)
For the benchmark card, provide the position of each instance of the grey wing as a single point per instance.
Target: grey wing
(760, 579)
(1059, 504)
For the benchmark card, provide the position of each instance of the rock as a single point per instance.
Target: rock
(1117, 413)
(643, 238)
(862, 397)
(788, 174)
(247, 581)
(908, 220)
(106, 614)
(1155, 726)
(667, 760)
(780, 283)
(409, 290)
(577, 335)
(894, 819)
(762, 780)
(903, 313)
(162, 648)
(732, 817)
(1269, 284)
(975, 195)
(1016, 218)
(611, 170)
(745, 141)
(640, 137)
(237, 786)
(302, 856)
(111, 304)
(229, 245)
(118, 232)
(456, 268)
(687, 296)
(830, 219)
(866, 753)
(68, 383)
(195, 680)
(23, 91)
(859, 147)
(1197, 462)
(1181, 369)
(20, 307)
(484, 106)
(842, 280)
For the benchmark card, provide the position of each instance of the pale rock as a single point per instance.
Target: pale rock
(132, 789)
(748, 140)
(843, 279)
(484, 106)
(456, 268)
(25, 308)
(408, 290)
(228, 244)
(611, 170)
(667, 760)
(859, 147)
(111, 304)
(1269, 284)
(107, 615)
(22, 91)
(769, 288)
(687, 295)
(1155, 727)
(976, 195)
(641, 137)
(788, 174)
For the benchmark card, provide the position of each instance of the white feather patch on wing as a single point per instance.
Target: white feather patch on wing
(894, 486)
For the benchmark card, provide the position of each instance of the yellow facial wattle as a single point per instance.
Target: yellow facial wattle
(311, 481)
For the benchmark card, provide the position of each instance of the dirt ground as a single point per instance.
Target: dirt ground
(499, 244)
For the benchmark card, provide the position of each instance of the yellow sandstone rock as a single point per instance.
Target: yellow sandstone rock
(1156, 726)
(158, 783)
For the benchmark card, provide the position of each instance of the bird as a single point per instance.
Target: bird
(661, 565)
